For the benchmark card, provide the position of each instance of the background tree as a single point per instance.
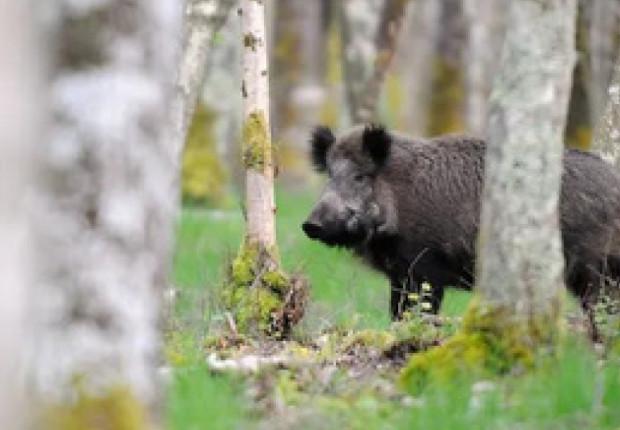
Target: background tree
(104, 207)
(20, 109)
(413, 64)
(446, 110)
(370, 30)
(485, 22)
(202, 20)
(607, 134)
(298, 78)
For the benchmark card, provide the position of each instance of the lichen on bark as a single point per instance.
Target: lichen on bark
(256, 145)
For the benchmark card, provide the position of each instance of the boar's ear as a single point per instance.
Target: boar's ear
(376, 142)
(322, 138)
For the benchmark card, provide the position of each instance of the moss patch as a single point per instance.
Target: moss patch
(117, 410)
(261, 297)
(490, 342)
(256, 145)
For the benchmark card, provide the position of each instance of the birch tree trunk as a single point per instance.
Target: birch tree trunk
(257, 150)
(20, 110)
(104, 213)
(202, 19)
(520, 272)
(262, 298)
(606, 140)
(485, 27)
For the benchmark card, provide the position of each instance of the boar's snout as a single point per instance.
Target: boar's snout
(333, 223)
(313, 229)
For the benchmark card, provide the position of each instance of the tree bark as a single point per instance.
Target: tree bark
(359, 22)
(257, 151)
(520, 255)
(370, 30)
(21, 110)
(603, 31)
(202, 20)
(485, 27)
(105, 203)
(606, 140)
(414, 63)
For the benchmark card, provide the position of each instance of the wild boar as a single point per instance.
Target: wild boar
(411, 209)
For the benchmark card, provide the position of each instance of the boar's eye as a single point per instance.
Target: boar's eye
(359, 177)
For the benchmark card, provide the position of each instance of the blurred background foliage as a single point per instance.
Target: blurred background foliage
(438, 82)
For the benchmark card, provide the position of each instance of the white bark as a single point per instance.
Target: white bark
(202, 20)
(20, 110)
(520, 255)
(606, 140)
(105, 201)
(259, 193)
(485, 22)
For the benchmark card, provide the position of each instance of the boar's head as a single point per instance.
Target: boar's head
(348, 212)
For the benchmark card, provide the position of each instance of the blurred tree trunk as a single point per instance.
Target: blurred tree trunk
(220, 95)
(413, 63)
(447, 104)
(520, 272)
(486, 24)
(21, 107)
(104, 214)
(579, 124)
(202, 20)
(606, 140)
(603, 37)
(390, 24)
(370, 30)
(298, 78)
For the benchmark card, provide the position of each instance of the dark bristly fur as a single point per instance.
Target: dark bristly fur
(411, 209)
(320, 141)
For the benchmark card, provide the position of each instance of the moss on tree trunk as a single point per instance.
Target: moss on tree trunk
(262, 298)
(492, 341)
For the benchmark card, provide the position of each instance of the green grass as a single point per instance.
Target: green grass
(342, 288)
(574, 393)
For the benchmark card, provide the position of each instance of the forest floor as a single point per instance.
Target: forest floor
(341, 368)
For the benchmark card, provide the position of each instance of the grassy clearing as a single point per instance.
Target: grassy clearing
(347, 380)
